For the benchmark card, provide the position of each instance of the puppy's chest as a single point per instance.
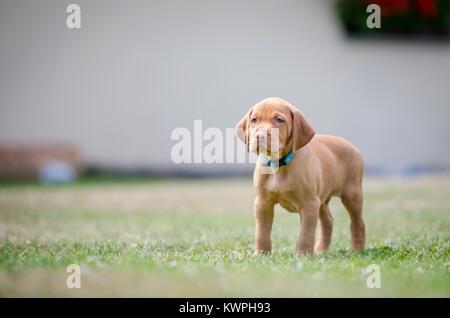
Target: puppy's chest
(282, 191)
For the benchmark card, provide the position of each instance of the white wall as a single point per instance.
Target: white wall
(138, 69)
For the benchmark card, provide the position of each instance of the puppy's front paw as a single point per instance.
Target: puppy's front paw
(319, 248)
(261, 252)
(305, 251)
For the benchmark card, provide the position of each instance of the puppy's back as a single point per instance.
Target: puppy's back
(336, 153)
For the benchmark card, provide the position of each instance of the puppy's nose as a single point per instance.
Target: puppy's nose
(261, 135)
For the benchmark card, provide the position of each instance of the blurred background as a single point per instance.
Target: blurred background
(104, 99)
(94, 108)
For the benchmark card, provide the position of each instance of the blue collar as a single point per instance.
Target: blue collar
(279, 163)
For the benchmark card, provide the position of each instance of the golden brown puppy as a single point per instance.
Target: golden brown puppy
(318, 168)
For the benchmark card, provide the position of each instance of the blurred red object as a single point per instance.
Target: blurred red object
(24, 160)
(427, 8)
(391, 6)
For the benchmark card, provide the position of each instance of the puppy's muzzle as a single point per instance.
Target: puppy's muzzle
(263, 140)
(261, 137)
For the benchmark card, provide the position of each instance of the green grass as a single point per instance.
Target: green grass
(194, 238)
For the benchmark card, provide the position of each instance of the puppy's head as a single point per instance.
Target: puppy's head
(256, 128)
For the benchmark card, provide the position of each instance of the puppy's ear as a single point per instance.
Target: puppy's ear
(242, 128)
(302, 131)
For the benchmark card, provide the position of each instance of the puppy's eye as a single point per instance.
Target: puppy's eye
(254, 120)
(279, 120)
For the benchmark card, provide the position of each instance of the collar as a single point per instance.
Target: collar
(278, 163)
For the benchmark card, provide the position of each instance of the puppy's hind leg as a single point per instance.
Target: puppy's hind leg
(352, 199)
(325, 228)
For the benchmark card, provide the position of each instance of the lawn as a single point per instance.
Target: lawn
(194, 238)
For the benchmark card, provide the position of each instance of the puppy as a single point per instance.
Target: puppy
(301, 171)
